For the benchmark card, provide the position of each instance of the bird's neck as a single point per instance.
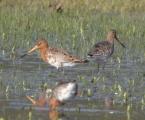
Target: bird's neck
(54, 103)
(43, 53)
(110, 40)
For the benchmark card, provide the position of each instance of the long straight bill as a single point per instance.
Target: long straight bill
(120, 43)
(30, 51)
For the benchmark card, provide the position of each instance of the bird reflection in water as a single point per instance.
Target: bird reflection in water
(63, 92)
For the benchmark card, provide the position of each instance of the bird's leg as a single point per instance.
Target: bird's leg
(103, 65)
(60, 69)
(98, 67)
(92, 72)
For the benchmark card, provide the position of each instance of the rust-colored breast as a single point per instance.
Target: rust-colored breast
(53, 103)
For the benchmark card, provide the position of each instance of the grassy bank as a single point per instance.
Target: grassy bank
(121, 6)
(76, 29)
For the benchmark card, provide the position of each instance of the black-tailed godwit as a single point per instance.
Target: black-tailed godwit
(54, 56)
(101, 51)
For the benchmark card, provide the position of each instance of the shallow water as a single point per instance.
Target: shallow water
(21, 77)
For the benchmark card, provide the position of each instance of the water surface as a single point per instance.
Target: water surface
(122, 81)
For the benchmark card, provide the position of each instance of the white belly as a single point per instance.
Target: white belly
(60, 63)
(68, 64)
(54, 63)
(66, 93)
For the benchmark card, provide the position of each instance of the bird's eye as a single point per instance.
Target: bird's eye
(39, 43)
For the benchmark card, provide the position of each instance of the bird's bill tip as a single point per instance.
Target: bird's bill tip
(120, 43)
(23, 55)
(30, 51)
(123, 45)
(31, 99)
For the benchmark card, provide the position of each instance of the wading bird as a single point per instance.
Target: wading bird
(55, 57)
(101, 51)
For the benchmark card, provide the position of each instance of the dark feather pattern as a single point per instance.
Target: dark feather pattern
(102, 49)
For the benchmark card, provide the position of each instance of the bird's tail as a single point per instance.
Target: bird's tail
(85, 61)
(82, 61)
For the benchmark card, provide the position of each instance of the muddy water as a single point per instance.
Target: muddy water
(21, 77)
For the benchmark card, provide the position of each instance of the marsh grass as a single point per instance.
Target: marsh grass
(75, 30)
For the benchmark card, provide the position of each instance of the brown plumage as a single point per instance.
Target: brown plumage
(101, 51)
(54, 56)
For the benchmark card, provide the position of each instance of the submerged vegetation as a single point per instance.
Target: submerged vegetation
(75, 25)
